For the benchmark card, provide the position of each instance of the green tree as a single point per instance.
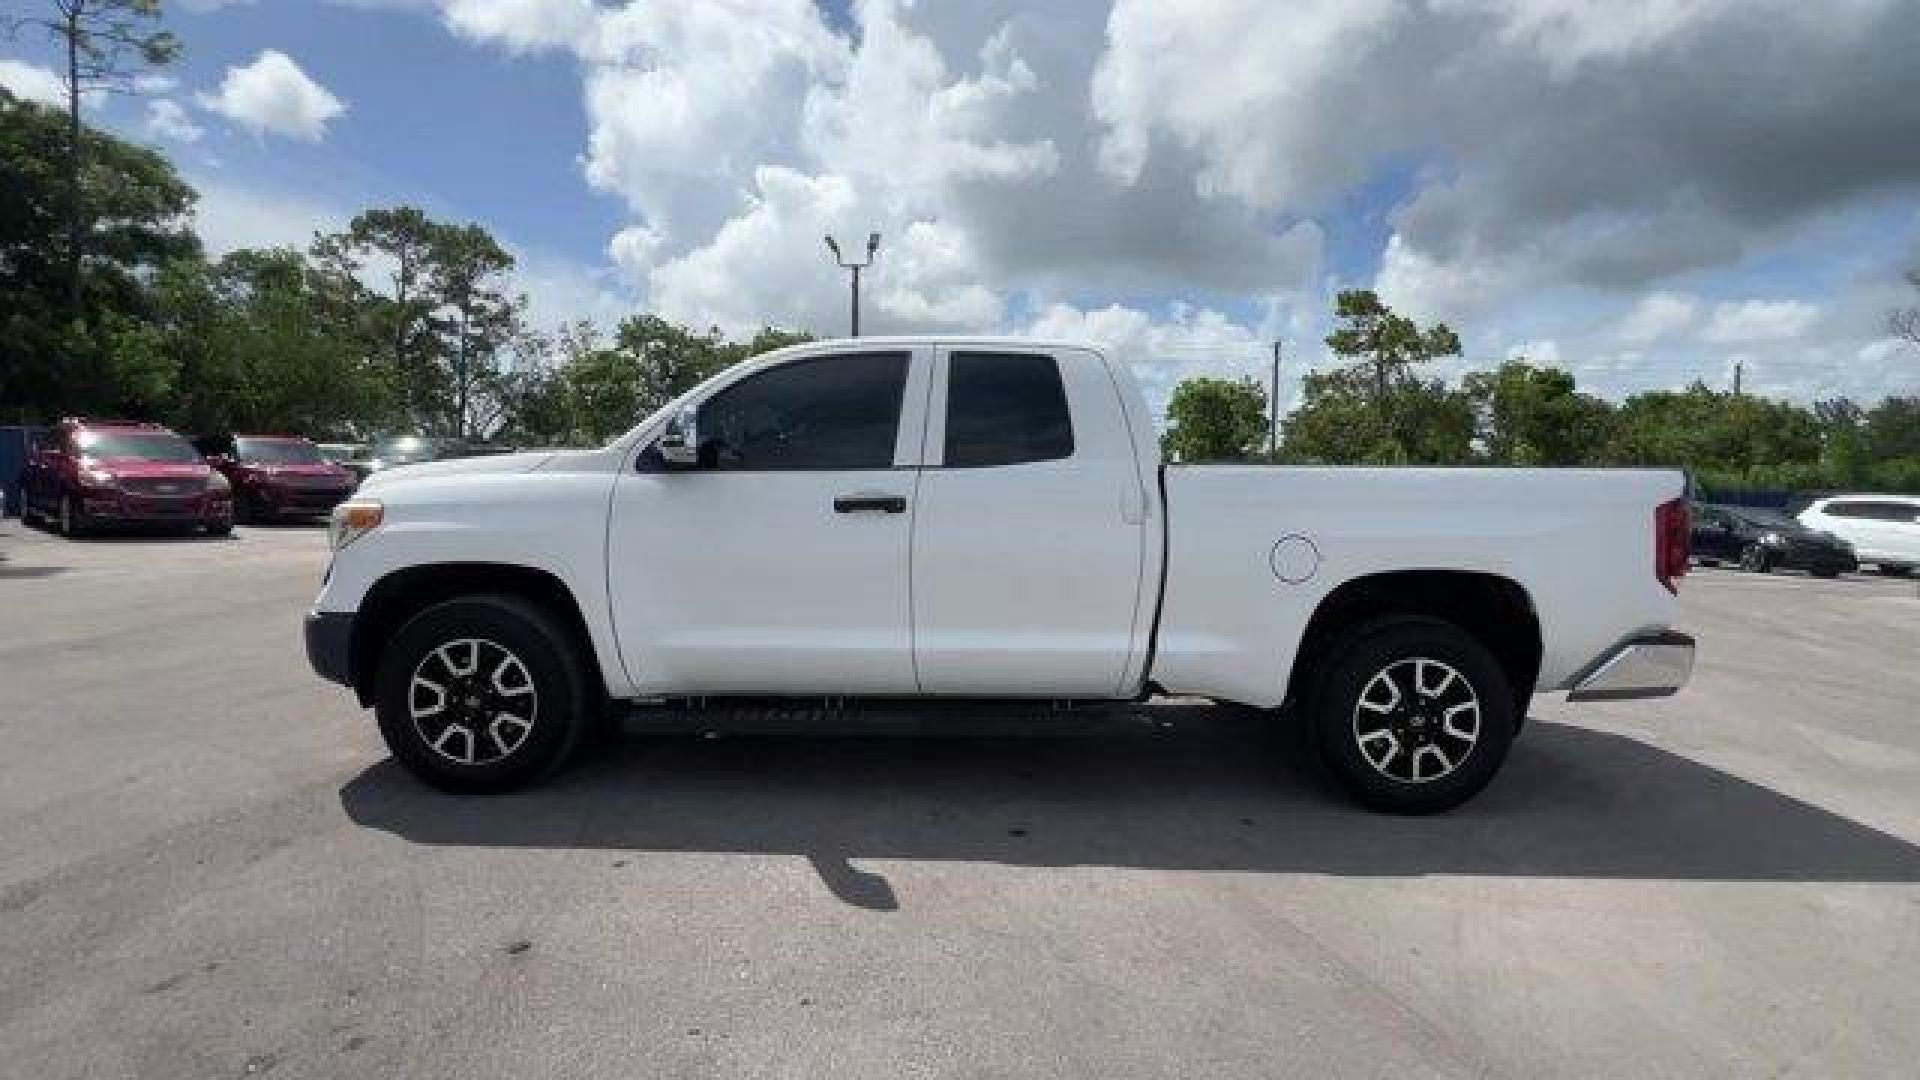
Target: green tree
(1846, 460)
(431, 300)
(1533, 416)
(1726, 439)
(766, 340)
(602, 389)
(1389, 344)
(50, 362)
(468, 270)
(1377, 409)
(1893, 427)
(1340, 422)
(1215, 420)
(248, 349)
(396, 244)
(105, 43)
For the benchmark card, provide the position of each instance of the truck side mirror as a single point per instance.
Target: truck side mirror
(680, 443)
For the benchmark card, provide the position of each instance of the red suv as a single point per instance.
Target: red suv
(276, 476)
(88, 473)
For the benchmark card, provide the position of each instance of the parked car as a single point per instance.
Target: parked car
(1883, 529)
(351, 456)
(1762, 540)
(91, 473)
(984, 524)
(277, 476)
(396, 450)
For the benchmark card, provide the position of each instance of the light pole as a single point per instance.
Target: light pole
(1273, 409)
(873, 245)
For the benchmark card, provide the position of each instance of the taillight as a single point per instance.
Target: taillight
(1672, 540)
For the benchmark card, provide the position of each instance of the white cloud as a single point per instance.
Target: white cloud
(167, 120)
(230, 217)
(1567, 174)
(561, 291)
(957, 132)
(1759, 320)
(1540, 352)
(1191, 341)
(1658, 315)
(635, 248)
(1562, 141)
(1430, 289)
(273, 94)
(769, 265)
(31, 82)
(524, 25)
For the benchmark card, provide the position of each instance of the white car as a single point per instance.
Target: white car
(1883, 529)
(984, 525)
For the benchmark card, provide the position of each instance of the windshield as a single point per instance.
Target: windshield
(277, 451)
(339, 452)
(145, 445)
(412, 448)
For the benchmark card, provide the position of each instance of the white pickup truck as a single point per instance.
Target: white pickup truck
(853, 524)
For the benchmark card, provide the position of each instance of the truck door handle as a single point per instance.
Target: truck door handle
(853, 504)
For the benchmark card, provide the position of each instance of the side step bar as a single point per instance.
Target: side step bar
(940, 718)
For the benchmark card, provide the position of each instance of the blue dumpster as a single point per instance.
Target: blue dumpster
(14, 444)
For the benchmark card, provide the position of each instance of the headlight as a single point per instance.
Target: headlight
(1773, 539)
(94, 476)
(352, 520)
(218, 485)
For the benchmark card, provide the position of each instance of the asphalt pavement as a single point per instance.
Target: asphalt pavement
(208, 868)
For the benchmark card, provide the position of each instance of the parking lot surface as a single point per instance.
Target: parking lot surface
(208, 868)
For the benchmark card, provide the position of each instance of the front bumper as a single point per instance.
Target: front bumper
(1820, 559)
(127, 508)
(330, 645)
(1644, 667)
(299, 501)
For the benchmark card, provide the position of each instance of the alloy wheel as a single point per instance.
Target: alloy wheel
(1416, 720)
(472, 701)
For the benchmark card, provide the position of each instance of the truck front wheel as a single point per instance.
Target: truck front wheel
(1412, 716)
(481, 694)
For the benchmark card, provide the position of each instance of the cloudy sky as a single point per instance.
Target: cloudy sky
(1644, 191)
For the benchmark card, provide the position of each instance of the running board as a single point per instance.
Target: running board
(905, 718)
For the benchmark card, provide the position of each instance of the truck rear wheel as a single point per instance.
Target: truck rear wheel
(1411, 716)
(481, 695)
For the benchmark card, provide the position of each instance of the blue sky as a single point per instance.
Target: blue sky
(1614, 189)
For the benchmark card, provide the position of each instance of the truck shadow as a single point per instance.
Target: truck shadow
(1191, 791)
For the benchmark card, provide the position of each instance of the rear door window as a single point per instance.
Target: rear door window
(1005, 409)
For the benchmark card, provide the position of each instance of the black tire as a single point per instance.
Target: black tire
(1891, 570)
(555, 723)
(1824, 572)
(1756, 560)
(1709, 562)
(1338, 721)
(72, 521)
(220, 528)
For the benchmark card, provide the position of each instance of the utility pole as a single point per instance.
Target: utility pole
(1737, 365)
(873, 245)
(1273, 409)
